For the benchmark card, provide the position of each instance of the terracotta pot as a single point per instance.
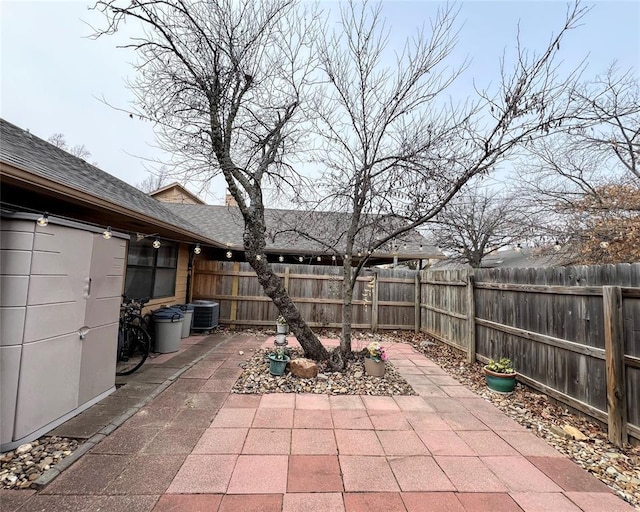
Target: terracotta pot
(373, 368)
(500, 382)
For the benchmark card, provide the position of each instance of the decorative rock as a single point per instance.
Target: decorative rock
(23, 448)
(19, 468)
(574, 432)
(303, 368)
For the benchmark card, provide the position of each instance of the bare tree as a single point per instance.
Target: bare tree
(79, 150)
(396, 149)
(224, 81)
(599, 144)
(154, 181)
(583, 177)
(479, 222)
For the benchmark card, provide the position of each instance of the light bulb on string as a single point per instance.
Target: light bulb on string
(156, 244)
(106, 234)
(197, 249)
(229, 254)
(43, 220)
(300, 259)
(281, 258)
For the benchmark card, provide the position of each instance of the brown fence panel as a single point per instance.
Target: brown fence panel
(383, 295)
(396, 290)
(552, 323)
(443, 306)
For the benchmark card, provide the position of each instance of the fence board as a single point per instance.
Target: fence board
(551, 323)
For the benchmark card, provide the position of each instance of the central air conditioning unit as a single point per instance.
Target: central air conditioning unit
(205, 315)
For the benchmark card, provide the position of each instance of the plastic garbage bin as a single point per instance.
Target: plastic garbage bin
(168, 329)
(187, 311)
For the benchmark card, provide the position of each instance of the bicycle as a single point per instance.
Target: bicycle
(134, 341)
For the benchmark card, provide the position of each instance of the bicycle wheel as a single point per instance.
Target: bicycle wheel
(134, 350)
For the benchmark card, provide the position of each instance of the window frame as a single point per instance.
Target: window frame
(154, 267)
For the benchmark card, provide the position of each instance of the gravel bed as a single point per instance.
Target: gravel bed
(20, 467)
(256, 378)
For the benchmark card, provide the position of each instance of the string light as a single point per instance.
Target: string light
(557, 247)
(319, 258)
(229, 254)
(281, 258)
(156, 244)
(300, 259)
(258, 257)
(106, 234)
(333, 257)
(197, 249)
(43, 220)
(420, 248)
(519, 248)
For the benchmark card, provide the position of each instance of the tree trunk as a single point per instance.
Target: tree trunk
(347, 308)
(275, 290)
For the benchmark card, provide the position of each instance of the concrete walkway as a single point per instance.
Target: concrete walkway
(196, 447)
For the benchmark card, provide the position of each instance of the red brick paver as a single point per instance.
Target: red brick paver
(198, 447)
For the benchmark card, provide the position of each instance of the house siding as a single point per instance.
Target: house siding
(174, 195)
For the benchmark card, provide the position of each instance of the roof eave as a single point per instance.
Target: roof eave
(29, 179)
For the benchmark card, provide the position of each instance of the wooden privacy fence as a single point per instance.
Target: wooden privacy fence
(383, 298)
(572, 332)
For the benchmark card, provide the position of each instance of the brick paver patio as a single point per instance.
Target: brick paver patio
(196, 447)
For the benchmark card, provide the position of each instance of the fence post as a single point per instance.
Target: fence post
(235, 288)
(374, 305)
(416, 304)
(614, 359)
(287, 271)
(471, 321)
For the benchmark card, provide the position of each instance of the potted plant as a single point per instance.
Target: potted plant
(500, 375)
(374, 359)
(278, 361)
(281, 325)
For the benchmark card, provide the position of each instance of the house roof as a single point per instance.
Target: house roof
(37, 174)
(225, 224)
(527, 257)
(55, 178)
(178, 188)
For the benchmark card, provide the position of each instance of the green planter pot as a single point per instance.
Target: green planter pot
(500, 382)
(277, 366)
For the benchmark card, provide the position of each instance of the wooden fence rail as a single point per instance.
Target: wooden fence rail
(572, 332)
(383, 299)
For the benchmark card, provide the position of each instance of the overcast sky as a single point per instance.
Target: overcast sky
(53, 77)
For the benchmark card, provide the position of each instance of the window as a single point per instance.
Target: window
(151, 272)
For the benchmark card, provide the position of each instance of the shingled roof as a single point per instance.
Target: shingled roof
(39, 173)
(23, 151)
(225, 224)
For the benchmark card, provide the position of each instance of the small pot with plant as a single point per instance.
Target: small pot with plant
(278, 361)
(500, 375)
(281, 325)
(374, 359)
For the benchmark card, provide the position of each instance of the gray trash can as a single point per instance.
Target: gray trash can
(168, 329)
(187, 311)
